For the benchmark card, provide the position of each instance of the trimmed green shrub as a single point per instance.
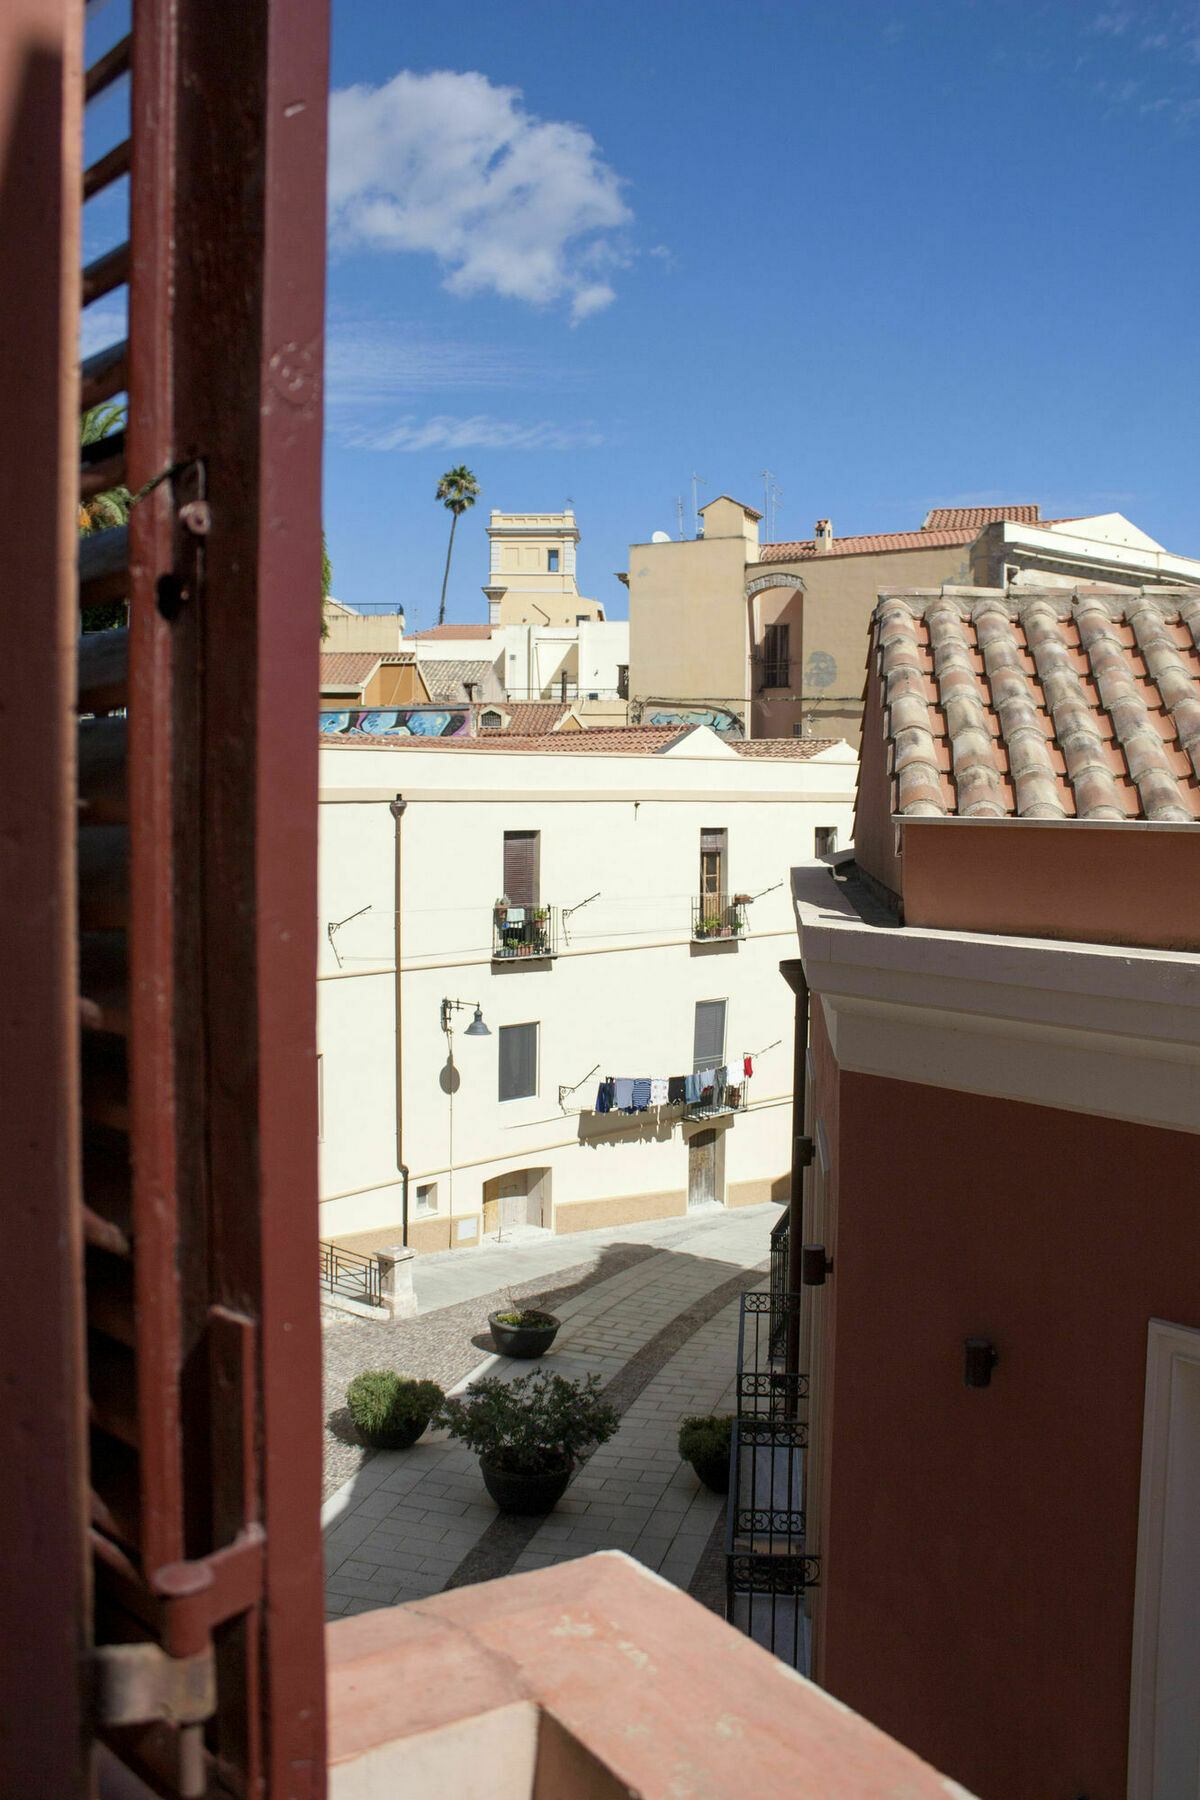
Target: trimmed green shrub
(534, 1425)
(382, 1401)
(524, 1317)
(706, 1438)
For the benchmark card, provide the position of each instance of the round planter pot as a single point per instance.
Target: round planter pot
(713, 1472)
(403, 1439)
(523, 1341)
(525, 1494)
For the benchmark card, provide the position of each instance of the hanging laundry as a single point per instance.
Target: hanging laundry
(658, 1091)
(747, 1067)
(691, 1089)
(623, 1093)
(641, 1094)
(733, 1098)
(676, 1090)
(707, 1077)
(604, 1097)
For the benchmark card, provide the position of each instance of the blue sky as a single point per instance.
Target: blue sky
(899, 254)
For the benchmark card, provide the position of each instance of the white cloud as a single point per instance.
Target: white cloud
(100, 326)
(368, 361)
(1114, 23)
(451, 166)
(481, 431)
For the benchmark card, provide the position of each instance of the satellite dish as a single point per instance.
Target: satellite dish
(661, 537)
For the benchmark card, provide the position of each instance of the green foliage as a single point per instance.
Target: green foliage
(103, 511)
(380, 1400)
(534, 1425)
(522, 1316)
(458, 491)
(326, 584)
(706, 1438)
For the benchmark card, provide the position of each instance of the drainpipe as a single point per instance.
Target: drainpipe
(397, 808)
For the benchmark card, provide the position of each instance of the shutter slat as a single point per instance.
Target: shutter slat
(521, 861)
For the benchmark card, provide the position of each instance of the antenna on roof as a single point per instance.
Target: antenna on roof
(701, 481)
(768, 477)
(776, 497)
(679, 510)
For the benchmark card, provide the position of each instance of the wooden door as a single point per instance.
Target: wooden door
(702, 1168)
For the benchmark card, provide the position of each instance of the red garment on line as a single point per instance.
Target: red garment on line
(747, 1067)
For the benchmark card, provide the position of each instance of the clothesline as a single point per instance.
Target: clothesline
(703, 1087)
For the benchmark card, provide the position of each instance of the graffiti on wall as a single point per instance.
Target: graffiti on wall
(717, 718)
(398, 721)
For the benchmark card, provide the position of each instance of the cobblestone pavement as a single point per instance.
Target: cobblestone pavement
(660, 1329)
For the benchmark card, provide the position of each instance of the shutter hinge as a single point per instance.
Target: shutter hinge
(139, 1684)
(802, 1152)
(198, 1596)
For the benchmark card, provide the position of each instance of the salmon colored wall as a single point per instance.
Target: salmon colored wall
(978, 1547)
(1093, 883)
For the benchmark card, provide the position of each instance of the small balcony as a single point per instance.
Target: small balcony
(719, 916)
(524, 932)
(723, 1097)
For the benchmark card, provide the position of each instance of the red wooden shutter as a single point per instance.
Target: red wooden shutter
(521, 859)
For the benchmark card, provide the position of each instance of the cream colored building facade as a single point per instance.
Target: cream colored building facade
(531, 576)
(774, 636)
(412, 860)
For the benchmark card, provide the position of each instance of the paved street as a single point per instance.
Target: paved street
(660, 1330)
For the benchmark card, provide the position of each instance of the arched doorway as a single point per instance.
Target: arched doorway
(775, 603)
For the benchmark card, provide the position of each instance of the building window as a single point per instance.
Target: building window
(712, 863)
(427, 1197)
(824, 840)
(777, 668)
(518, 1061)
(552, 561)
(708, 1038)
(522, 859)
(491, 721)
(622, 681)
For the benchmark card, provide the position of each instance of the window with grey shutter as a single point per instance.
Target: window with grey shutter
(777, 667)
(521, 867)
(709, 1039)
(518, 1061)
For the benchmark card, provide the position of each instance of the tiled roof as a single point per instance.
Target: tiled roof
(793, 749)
(867, 546)
(528, 718)
(950, 518)
(342, 668)
(1042, 705)
(447, 680)
(437, 632)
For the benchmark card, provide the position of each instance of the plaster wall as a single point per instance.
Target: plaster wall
(618, 1000)
(688, 637)
(978, 1546)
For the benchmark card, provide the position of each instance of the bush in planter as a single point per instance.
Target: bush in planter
(391, 1411)
(528, 1434)
(523, 1317)
(705, 1441)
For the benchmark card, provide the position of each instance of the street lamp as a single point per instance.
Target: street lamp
(476, 1028)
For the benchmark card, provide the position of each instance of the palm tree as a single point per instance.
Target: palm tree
(458, 491)
(112, 507)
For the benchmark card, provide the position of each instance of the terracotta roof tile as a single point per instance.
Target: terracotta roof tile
(950, 518)
(600, 740)
(793, 749)
(867, 546)
(526, 718)
(447, 680)
(438, 632)
(341, 668)
(1042, 705)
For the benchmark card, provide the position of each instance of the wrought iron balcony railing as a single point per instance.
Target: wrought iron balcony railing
(765, 1387)
(529, 931)
(723, 1097)
(719, 916)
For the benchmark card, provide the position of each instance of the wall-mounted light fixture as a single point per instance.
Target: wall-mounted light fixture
(979, 1359)
(476, 1028)
(814, 1265)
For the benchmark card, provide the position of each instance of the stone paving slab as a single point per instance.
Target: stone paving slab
(411, 1522)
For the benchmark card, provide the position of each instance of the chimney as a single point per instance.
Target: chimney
(823, 537)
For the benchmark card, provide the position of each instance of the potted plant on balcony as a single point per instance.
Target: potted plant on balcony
(704, 1441)
(500, 909)
(522, 1331)
(391, 1411)
(529, 1434)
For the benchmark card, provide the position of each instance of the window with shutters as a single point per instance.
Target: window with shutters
(712, 863)
(708, 1038)
(522, 858)
(777, 668)
(518, 1061)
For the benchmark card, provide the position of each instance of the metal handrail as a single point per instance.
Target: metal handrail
(353, 1276)
(718, 916)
